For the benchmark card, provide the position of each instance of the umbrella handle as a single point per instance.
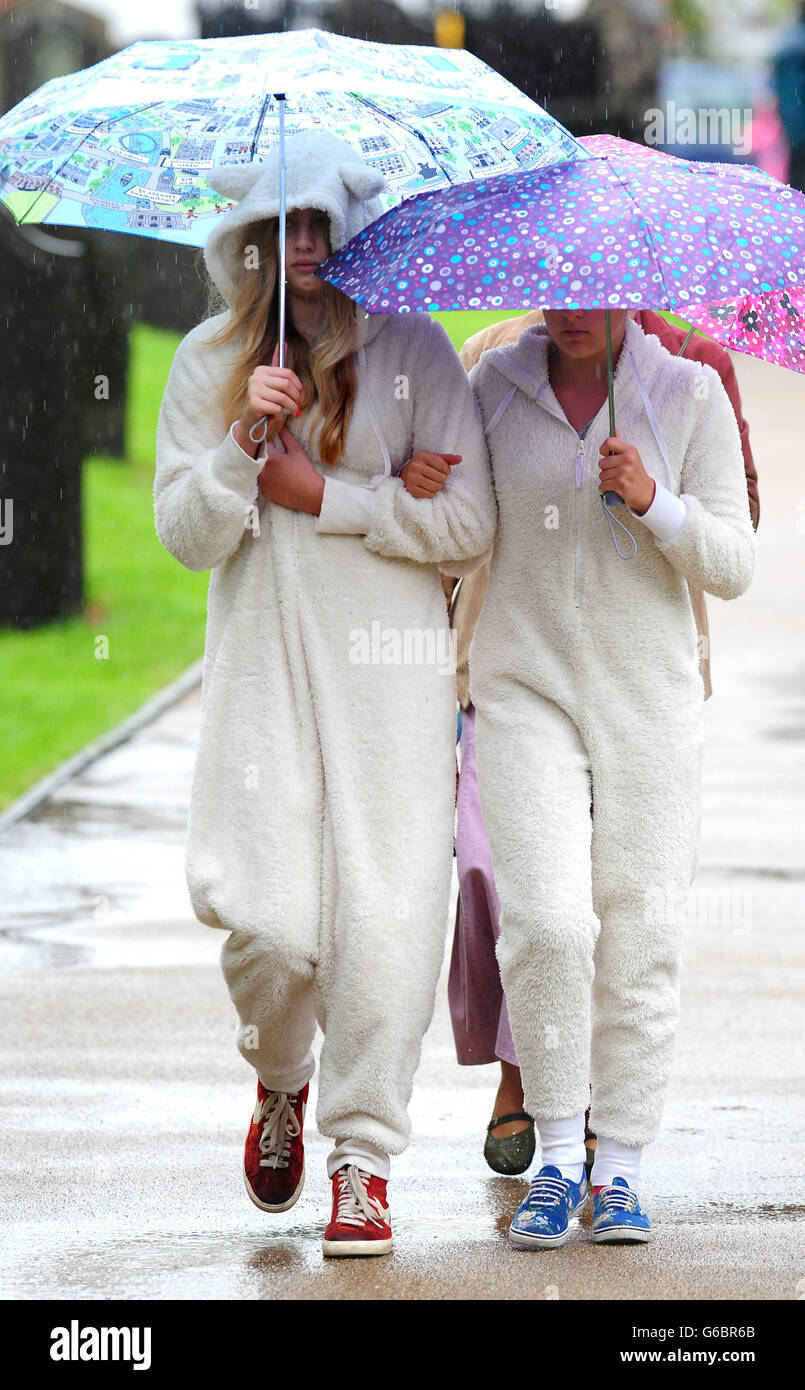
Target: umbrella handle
(612, 499)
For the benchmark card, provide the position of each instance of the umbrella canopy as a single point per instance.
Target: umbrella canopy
(127, 144)
(769, 326)
(626, 228)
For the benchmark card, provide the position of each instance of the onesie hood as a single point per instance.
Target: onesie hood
(524, 362)
(322, 171)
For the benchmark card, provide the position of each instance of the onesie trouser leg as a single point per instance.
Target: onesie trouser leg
(387, 864)
(273, 994)
(534, 785)
(270, 973)
(645, 834)
(590, 908)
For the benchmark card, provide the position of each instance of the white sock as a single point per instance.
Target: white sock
(562, 1144)
(614, 1160)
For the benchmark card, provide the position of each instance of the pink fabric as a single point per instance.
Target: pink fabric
(477, 1003)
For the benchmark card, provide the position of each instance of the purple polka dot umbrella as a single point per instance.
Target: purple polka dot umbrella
(628, 228)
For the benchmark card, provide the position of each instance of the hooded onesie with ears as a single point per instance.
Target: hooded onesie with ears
(321, 816)
(584, 675)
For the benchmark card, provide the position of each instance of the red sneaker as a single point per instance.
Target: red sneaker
(274, 1159)
(361, 1221)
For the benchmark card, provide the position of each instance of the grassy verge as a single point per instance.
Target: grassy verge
(57, 694)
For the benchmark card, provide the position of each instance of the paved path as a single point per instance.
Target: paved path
(125, 1102)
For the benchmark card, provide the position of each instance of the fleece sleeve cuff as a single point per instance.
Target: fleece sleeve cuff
(233, 468)
(666, 515)
(346, 508)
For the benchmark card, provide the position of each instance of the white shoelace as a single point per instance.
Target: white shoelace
(280, 1126)
(617, 1199)
(548, 1192)
(355, 1206)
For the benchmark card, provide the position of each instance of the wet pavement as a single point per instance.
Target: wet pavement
(125, 1104)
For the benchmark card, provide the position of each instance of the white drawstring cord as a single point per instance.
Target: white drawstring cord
(652, 419)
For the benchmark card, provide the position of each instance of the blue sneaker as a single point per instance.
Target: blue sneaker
(543, 1218)
(617, 1214)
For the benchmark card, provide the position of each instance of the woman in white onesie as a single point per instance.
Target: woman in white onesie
(320, 827)
(584, 675)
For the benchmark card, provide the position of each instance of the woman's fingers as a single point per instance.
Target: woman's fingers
(442, 463)
(289, 439)
(429, 471)
(279, 376)
(292, 445)
(614, 445)
(275, 404)
(425, 470)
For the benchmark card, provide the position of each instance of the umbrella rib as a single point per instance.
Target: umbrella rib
(366, 101)
(654, 248)
(260, 120)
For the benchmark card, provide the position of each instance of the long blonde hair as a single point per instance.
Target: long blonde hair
(325, 370)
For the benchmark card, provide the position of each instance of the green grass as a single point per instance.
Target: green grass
(461, 325)
(56, 694)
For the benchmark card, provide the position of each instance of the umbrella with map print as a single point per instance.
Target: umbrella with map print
(127, 144)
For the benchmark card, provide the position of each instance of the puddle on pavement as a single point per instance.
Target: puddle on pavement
(21, 951)
(87, 817)
(705, 1214)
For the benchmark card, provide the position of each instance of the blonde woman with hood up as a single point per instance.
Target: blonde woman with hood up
(321, 817)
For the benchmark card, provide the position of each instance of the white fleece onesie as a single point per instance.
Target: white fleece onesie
(584, 675)
(321, 817)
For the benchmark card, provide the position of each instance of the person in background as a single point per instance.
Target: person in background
(480, 1020)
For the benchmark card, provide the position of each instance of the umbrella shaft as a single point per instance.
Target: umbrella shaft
(259, 429)
(610, 376)
(281, 330)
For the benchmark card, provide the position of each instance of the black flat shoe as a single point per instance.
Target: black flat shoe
(513, 1154)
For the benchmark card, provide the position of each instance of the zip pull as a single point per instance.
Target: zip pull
(580, 463)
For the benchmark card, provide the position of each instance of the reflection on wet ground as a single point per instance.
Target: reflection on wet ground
(103, 851)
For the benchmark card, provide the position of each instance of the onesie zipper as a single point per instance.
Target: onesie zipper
(579, 471)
